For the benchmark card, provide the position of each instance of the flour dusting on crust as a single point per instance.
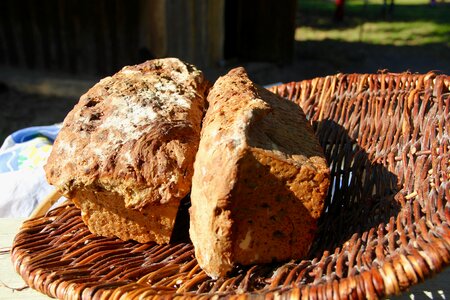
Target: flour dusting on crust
(134, 133)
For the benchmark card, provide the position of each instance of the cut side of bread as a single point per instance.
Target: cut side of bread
(105, 214)
(125, 152)
(260, 179)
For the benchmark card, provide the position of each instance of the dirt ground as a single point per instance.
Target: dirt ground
(46, 98)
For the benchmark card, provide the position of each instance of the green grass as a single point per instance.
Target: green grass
(412, 23)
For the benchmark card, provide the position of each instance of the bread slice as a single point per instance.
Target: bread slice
(125, 152)
(260, 178)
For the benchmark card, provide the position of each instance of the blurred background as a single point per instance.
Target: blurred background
(52, 51)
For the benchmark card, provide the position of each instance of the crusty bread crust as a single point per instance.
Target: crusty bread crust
(260, 178)
(131, 141)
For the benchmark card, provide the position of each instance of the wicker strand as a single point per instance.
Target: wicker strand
(46, 204)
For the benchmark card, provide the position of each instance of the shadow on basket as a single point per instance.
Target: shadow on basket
(361, 195)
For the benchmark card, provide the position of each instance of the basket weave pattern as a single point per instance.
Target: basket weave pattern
(385, 227)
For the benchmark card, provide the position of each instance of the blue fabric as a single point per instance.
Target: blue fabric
(26, 134)
(27, 148)
(22, 177)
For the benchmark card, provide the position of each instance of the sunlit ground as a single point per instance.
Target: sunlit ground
(410, 23)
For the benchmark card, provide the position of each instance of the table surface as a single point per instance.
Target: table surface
(13, 287)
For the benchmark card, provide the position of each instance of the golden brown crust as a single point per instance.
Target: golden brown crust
(133, 136)
(260, 178)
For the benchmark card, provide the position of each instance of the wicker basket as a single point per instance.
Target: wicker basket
(385, 228)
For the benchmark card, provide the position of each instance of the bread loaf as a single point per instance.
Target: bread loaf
(125, 152)
(260, 178)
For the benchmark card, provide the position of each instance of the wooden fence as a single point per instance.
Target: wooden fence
(98, 37)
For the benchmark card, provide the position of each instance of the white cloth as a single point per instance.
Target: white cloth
(22, 178)
(21, 191)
